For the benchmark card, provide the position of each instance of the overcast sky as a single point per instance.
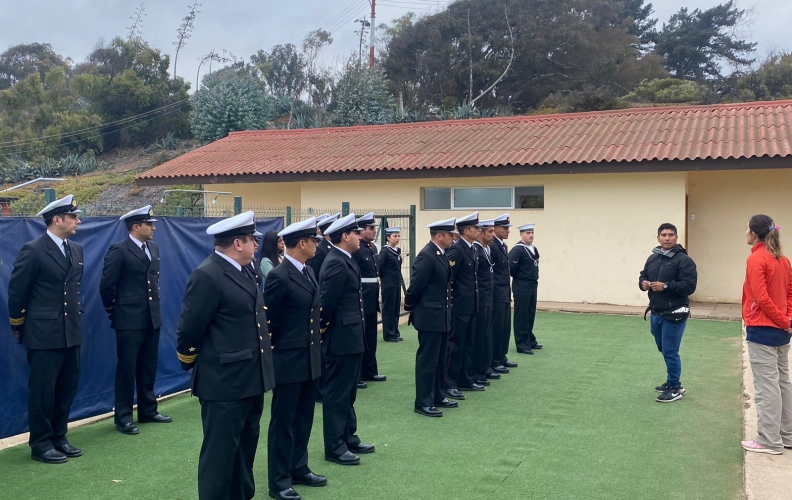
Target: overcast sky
(73, 27)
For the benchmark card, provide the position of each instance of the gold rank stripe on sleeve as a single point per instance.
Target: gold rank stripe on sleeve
(17, 321)
(184, 358)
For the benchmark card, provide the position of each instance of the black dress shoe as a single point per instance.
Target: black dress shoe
(500, 369)
(69, 450)
(401, 338)
(362, 385)
(310, 479)
(127, 428)
(525, 351)
(447, 403)
(49, 457)
(483, 383)
(157, 418)
(494, 376)
(362, 448)
(473, 387)
(289, 494)
(348, 458)
(455, 394)
(392, 340)
(428, 411)
(536, 346)
(376, 378)
(509, 364)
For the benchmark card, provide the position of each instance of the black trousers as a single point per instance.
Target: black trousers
(430, 368)
(137, 352)
(524, 316)
(291, 420)
(482, 343)
(369, 367)
(231, 434)
(54, 374)
(320, 382)
(501, 332)
(460, 352)
(391, 307)
(338, 407)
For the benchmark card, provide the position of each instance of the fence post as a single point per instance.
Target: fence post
(49, 196)
(383, 236)
(288, 215)
(179, 211)
(344, 208)
(237, 205)
(412, 235)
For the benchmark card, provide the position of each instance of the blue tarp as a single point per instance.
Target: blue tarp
(183, 245)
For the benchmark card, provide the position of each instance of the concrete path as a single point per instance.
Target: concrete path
(698, 310)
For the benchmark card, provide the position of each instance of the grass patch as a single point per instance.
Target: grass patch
(577, 420)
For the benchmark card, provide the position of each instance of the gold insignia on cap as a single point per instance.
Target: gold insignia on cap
(151, 212)
(192, 349)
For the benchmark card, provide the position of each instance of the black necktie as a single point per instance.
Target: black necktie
(66, 252)
(308, 276)
(144, 251)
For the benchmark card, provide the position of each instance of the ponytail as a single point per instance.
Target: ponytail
(766, 230)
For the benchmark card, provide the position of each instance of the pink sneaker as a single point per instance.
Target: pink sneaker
(758, 448)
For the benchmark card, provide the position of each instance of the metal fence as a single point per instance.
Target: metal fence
(403, 218)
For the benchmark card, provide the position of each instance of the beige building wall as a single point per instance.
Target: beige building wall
(594, 234)
(270, 194)
(720, 205)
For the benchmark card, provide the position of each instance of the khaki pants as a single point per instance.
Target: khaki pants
(770, 366)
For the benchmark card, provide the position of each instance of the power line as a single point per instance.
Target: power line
(357, 14)
(95, 136)
(341, 14)
(19, 142)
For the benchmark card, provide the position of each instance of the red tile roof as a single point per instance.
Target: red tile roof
(635, 135)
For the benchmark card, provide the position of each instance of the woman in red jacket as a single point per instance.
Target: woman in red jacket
(766, 310)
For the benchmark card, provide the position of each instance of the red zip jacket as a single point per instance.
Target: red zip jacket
(767, 292)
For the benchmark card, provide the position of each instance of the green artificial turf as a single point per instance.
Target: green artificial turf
(577, 420)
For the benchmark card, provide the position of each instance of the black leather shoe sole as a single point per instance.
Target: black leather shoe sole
(129, 431)
(70, 453)
(494, 376)
(376, 378)
(485, 383)
(510, 364)
(447, 404)
(342, 462)
(62, 459)
(162, 420)
(459, 396)
(524, 351)
(362, 385)
(364, 450)
(471, 389)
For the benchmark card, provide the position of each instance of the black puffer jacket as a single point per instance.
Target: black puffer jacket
(675, 269)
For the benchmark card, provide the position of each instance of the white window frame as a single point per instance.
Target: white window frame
(453, 207)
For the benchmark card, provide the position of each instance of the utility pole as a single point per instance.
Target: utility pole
(373, 31)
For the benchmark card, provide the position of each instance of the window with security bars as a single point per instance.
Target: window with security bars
(483, 198)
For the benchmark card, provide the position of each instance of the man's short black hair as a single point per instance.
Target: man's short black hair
(229, 241)
(337, 237)
(435, 232)
(293, 242)
(667, 225)
(49, 220)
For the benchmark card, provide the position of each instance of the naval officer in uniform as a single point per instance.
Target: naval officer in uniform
(342, 317)
(44, 312)
(482, 337)
(464, 305)
(428, 299)
(501, 297)
(524, 269)
(366, 259)
(389, 267)
(293, 302)
(129, 289)
(223, 338)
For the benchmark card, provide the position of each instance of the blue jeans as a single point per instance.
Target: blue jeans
(668, 337)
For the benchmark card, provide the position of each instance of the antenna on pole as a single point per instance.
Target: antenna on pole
(373, 32)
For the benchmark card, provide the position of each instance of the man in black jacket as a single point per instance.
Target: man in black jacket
(501, 297)
(315, 263)
(366, 259)
(524, 268)
(482, 334)
(44, 312)
(342, 317)
(464, 305)
(223, 338)
(429, 301)
(129, 288)
(293, 303)
(389, 267)
(670, 277)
